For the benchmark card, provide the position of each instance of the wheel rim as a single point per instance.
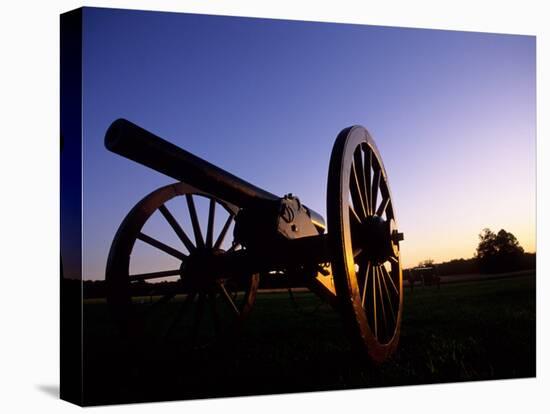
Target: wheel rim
(195, 309)
(364, 243)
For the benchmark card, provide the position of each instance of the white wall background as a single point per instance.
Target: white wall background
(29, 150)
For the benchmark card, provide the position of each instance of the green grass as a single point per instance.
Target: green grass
(469, 331)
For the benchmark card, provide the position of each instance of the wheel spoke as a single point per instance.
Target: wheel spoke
(194, 220)
(153, 275)
(177, 228)
(360, 175)
(388, 297)
(161, 246)
(368, 166)
(233, 247)
(381, 297)
(355, 191)
(383, 206)
(355, 227)
(361, 261)
(391, 280)
(375, 185)
(364, 295)
(375, 316)
(210, 229)
(355, 220)
(389, 211)
(225, 228)
(229, 300)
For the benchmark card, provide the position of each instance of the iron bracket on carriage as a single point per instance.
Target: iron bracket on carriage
(355, 266)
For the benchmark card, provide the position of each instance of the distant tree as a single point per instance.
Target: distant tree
(498, 252)
(458, 267)
(426, 263)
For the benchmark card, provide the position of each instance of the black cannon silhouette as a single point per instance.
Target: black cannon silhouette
(355, 266)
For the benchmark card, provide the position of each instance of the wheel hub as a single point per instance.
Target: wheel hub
(380, 238)
(200, 270)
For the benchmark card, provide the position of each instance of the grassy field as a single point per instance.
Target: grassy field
(467, 331)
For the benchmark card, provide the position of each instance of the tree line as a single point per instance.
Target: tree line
(496, 253)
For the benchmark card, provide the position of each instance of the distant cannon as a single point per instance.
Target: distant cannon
(355, 266)
(427, 274)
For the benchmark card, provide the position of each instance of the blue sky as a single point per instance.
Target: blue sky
(452, 113)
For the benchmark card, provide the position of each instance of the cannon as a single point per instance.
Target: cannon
(354, 265)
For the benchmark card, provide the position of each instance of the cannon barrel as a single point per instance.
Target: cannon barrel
(133, 142)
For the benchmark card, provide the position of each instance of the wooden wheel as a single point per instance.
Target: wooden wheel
(193, 305)
(364, 243)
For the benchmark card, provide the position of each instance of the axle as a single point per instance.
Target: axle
(303, 257)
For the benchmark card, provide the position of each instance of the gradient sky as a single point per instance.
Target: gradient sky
(452, 113)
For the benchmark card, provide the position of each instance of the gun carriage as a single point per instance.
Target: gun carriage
(355, 265)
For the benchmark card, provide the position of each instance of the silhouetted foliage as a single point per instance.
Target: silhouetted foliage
(426, 263)
(458, 267)
(527, 261)
(498, 252)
